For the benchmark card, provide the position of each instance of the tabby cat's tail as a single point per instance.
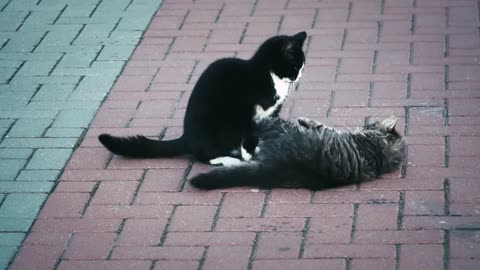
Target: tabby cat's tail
(143, 147)
(255, 175)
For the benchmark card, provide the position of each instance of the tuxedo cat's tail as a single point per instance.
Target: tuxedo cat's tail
(143, 147)
(254, 174)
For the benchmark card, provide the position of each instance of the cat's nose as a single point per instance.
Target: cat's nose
(276, 98)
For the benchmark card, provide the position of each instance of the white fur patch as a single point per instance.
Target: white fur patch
(300, 73)
(225, 161)
(281, 86)
(245, 155)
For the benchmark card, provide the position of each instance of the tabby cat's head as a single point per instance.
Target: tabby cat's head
(390, 141)
(283, 55)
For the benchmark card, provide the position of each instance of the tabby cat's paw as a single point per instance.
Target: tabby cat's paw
(309, 123)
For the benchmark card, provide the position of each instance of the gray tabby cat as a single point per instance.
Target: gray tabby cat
(311, 155)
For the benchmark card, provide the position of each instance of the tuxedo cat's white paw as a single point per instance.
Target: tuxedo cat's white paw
(257, 150)
(225, 161)
(245, 155)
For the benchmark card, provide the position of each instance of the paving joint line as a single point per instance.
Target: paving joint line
(446, 142)
(203, 258)
(97, 55)
(60, 14)
(92, 194)
(409, 85)
(349, 14)
(56, 64)
(150, 83)
(167, 51)
(411, 54)
(39, 42)
(117, 236)
(446, 45)
(253, 253)
(217, 212)
(315, 18)
(254, 8)
(348, 263)
(403, 166)
(78, 34)
(305, 230)
(330, 103)
(244, 32)
(6, 5)
(204, 47)
(184, 19)
(446, 196)
(95, 8)
(4, 44)
(23, 21)
(137, 189)
(15, 72)
(279, 26)
(371, 88)
(354, 222)
(446, 116)
(217, 18)
(397, 256)
(60, 258)
(446, 77)
(265, 203)
(128, 5)
(401, 208)
(167, 226)
(114, 27)
(186, 173)
(446, 249)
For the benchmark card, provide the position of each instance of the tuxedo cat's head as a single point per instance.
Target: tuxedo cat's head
(283, 56)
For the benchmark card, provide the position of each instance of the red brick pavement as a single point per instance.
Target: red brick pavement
(418, 59)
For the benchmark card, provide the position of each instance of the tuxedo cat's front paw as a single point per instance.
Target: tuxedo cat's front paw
(245, 155)
(225, 161)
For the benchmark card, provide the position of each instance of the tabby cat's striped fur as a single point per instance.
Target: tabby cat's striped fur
(310, 155)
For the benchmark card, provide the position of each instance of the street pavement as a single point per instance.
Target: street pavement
(70, 70)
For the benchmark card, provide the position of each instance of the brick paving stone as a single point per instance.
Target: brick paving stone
(93, 246)
(358, 264)
(365, 60)
(278, 245)
(227, 257)
(99, 265)
(421, 257)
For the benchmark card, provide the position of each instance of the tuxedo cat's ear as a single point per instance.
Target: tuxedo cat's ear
(300, 37)
(390, 123)
(296, 40)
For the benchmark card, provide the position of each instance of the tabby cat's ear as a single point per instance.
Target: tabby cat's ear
(390, 123)
(300, 37)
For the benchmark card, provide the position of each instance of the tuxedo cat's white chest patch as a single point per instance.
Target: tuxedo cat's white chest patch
(282, 87)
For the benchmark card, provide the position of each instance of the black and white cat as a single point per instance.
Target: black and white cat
(312, 156)
(228, 99)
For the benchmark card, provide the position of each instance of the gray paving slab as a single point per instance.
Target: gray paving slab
(58, 60)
